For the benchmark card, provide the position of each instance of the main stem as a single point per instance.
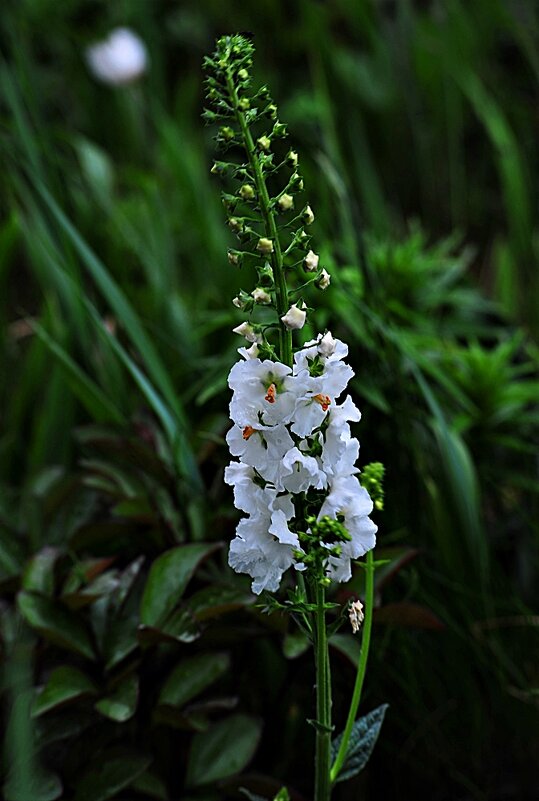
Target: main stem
(281, 290)
(322, 788)
(361, 668)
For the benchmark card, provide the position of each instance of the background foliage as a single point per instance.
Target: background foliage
(134, 664)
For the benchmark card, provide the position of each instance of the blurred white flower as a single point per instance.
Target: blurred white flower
(120, 59)
(294, 317)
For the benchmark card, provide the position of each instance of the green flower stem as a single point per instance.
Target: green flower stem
(322, 789)
(361, 668)
(281, 291)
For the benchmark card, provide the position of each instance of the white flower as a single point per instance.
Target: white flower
(310, 262)
(261, 296)
(341, 450)
(120, 59)
(246, 330)
(327, 349)
(261, 554)
(319, 392)
(264, 393)
(294, 318)
(299, 472)
(262, 448)
(348, 498)
(324, 280)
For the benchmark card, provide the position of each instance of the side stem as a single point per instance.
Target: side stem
(361, 668)
(322, 789)
(281, 290)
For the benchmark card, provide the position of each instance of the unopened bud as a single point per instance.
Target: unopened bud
(324, 280)
(247, 192)
(235, 225)
(238, 302)
(244, 104)
(264, 143)
(271, 111)
(285, 202)
(234, 257)
(296, 182)
(243, 75)
(265, 246)
(261, 296)
(227, 133)
(308, 215)
(248, 331)
(279, 130)
(327, 345)
(310, 262)
(292, 159)
(294, 318)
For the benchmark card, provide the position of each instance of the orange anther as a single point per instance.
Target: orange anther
(248, 431)
(323, 400)
(272, 394)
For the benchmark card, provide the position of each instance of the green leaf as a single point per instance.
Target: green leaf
(348, 645)
(121, 704)
(191, 676)
(55, 623)
(150, 786)
(103, 781)
(167, 580)
(39, 572)
(363, 738)
(64, 684)
(44, 786)
(295, 644)
(222, 751)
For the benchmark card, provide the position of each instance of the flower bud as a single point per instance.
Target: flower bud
(296, 182)
(247, 192)
(307, 215)
(238, 303)
(271, 111)
(243, 75)
(265, 246)
(244, 104)
(292, 159)
(279, 130)
(235, 225)
(248, 331)
(327, 345)
(323, 280)
(234, 257)
(261, 296)
(264, 143)
(252, 352)
(294, 318)
(310, 262)
(226, 133)
(285, 202)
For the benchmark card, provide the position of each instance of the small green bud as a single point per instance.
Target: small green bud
(265, 246)
(296, 182)
(235, 225)
(227, 133)
(234, 257)
(264, 143)
(285, 202)
(279, 130)
(247, 192)
(325, 582)
(244, 104)
(271, 111)
(243, 75)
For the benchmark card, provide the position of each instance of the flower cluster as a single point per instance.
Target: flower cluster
(296, 477)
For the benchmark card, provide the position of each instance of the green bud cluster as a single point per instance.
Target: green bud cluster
(372, 477)
(323, 539)
(263, 183)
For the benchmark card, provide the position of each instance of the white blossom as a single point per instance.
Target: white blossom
(310, 262)
(294, 317)
(300, 471)
(356, 615)
(264, 393)
(261, 296)
(119, 59)
(246, 330)
(324, 279)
